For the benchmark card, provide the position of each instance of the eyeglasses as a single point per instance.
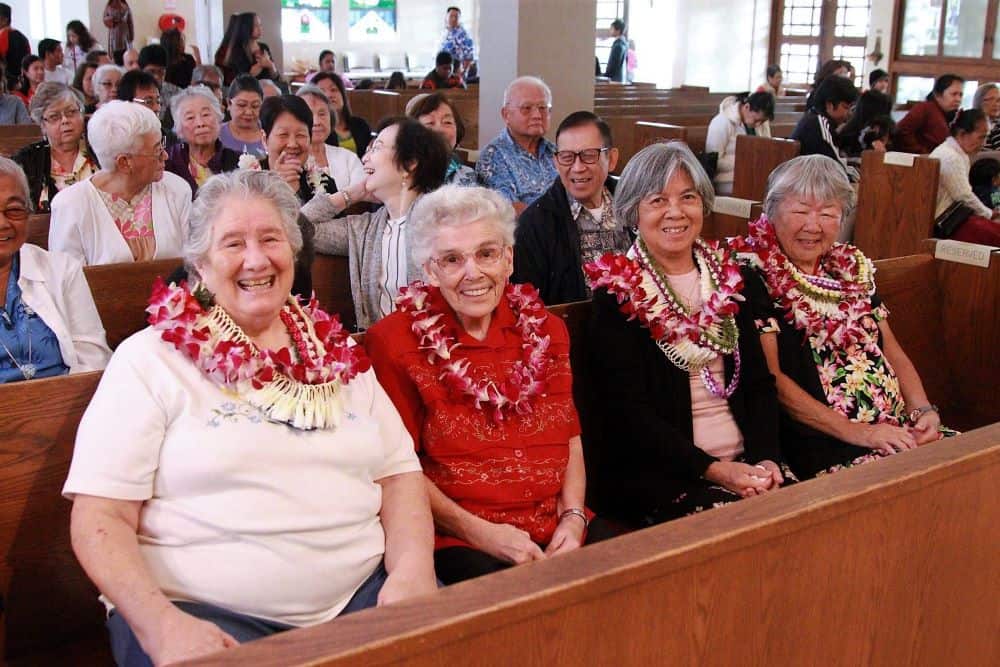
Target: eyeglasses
(56, 116)
(148, 101)
(486, 257)
(15, 213)
(587, 156)
(526, 109)
(159, 154)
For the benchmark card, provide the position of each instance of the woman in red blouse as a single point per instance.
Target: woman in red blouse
(480, 373)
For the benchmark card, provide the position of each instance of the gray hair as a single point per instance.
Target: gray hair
(198, 73)
(977, 99)
(267, 83)
(104, 70)
(10, 168)
(315, 91)
(49, 93)
(242, 184)
(193, 93)
(527, 81)
(815, 177)
(650, 170)
(454, 206)
(118, 127)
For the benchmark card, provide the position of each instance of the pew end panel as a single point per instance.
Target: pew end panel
(896, 204)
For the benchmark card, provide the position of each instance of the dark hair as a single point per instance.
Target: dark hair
(132, 80)
(23, 85)
(943, 83)
(871, 105)
(618, 25)
(83, 37)
(365, 84)
(279, 104)
(47, 46)
(443, 58)
(432, 103)
(81, 71)
(5, 11)
(323, 54)
(772, 70)
(762, 102)
(397, 81)
(238, 56)
(244, 83)
(966, 120)
(582, 119)
(876, 76)
(227, 36)
(346, 111)
(95, 56)
(152, 54)
(421, 149)
(453, 8)
(983, 172)
(880, 127)
(172, 42)
(833, 90)
(828, 68)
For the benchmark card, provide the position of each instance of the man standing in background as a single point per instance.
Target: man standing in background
(457, 41)
(615, 70)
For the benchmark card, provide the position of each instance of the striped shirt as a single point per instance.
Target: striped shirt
(392, 273)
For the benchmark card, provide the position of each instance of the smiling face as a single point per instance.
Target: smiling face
(13, 218)
(289, 137)
(244, 108)
(249, 266)
(671, 220)
(384, 177)
(442, 121)
(321, 118)
(806, 229)
(584, 182)
(951, 98)
(471, 265)
(198, 123)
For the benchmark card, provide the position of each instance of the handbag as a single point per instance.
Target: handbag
(951, 219)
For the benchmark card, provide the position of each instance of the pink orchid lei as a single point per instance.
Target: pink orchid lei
(526, 379)
(832, 307)
(216, 345)
(690, 340)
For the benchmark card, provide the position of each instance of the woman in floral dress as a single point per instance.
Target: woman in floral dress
(849, 393)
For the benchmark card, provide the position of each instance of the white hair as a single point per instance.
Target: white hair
(193, 93)
(10, 168)
(816, 177)
(104, 70)
(527, 81)
(267, 83)
(454, 206)
(120, 127)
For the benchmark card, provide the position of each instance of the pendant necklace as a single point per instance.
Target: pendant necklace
(27, 369)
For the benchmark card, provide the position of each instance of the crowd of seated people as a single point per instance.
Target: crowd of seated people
(453, 443)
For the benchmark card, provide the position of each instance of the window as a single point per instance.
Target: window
(371, 20)
(607, 11)
(807, 33)
(306, 21)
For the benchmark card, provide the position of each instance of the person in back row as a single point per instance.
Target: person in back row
(574, 221)
(738, 114)
(519, 163)
(987, 100)
(830, 108)
(615, 71)
(926, 125)
(442, 76)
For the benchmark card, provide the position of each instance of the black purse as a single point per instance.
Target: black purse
(951, 219)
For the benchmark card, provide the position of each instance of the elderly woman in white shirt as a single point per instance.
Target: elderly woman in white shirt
(981, 224)
(342, 166)
(131, 210)
(50, 325)
(240, 471)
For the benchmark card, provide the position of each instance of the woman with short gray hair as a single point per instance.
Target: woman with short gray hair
(106, 78)
(199, 154)
(468, 316)
(686, 413)
(987, 100)
(849, 392)
(339, 165)
(242, 427)
(130, 210)
(63, 156)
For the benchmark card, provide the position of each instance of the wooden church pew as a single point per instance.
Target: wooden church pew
(896, 203)
(38, 230)
(15, 137)
(121, 292)
(756, 158)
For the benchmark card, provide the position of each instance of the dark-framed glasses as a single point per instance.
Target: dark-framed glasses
(587, 156)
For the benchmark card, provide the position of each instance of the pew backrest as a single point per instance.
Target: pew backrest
(38, 230)
(121, 292)
(756, 158)
(15, 137)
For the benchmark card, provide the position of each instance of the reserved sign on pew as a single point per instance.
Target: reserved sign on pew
(965, 253)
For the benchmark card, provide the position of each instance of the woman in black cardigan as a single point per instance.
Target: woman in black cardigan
(684, 412)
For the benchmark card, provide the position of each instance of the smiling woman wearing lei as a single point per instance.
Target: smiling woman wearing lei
(480, 373)
(684, 415)
(849, 392)
(240, 471)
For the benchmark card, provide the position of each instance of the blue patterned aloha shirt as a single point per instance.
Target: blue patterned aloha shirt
(458, 43)
(514, 172)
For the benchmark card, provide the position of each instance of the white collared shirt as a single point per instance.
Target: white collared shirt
(392, 274)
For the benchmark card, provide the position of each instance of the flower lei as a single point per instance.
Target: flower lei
(304, 394)
(690, 340)
(832, 307)
(524, 381)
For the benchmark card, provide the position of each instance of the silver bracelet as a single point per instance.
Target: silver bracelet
(575, 511)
